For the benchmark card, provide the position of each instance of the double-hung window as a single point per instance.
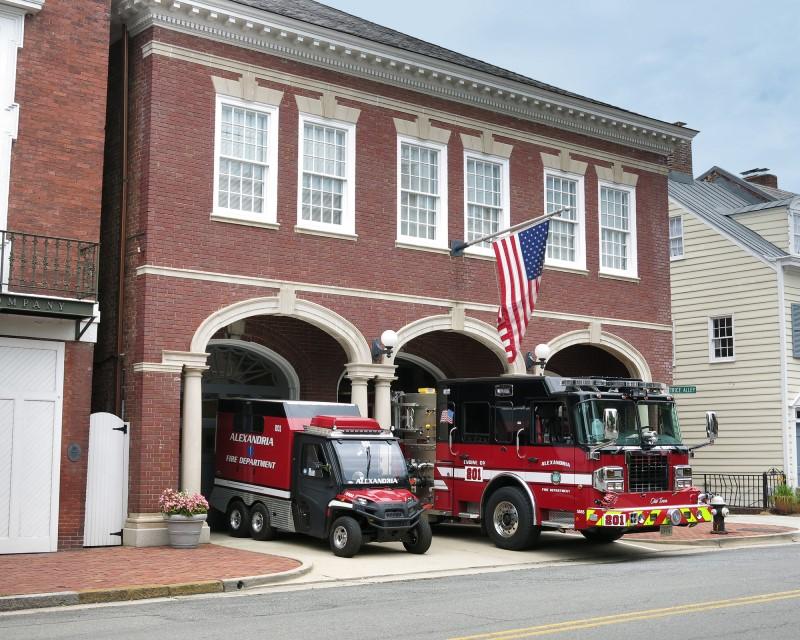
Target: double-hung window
(617, 230)
(675, 237)
(327, 175)
(720, 330)
(565, 243)
(246, 167)
(422, 193)
(487, 196)
(794, 220)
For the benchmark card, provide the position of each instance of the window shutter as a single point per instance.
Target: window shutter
(796, 330)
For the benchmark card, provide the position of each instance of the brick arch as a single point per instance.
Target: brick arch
(617, 347)
(343, 331)
(476, 329)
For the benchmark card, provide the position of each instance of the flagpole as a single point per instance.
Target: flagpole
(457, 248)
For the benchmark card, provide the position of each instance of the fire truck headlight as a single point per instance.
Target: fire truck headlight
(675, 516)
(361, 501)
(683, 476)
(609, 479)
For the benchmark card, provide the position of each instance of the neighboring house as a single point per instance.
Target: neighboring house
(53, 78)
(286, 182)
(735, 269)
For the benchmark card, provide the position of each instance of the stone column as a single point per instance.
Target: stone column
(192, 428)
(383, 400)
(358, 393)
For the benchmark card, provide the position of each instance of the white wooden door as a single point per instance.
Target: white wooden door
(31, 388)
(106, 481)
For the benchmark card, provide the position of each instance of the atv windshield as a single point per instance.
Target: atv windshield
(371, 462)
(645, 422)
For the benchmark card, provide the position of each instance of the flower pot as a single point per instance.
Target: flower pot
(784, 504)
(184, 531)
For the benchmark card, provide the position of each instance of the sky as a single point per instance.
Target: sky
(728, 69)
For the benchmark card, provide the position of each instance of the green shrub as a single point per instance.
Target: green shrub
(784, 491)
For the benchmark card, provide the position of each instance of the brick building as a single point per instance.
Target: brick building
(294, 177)
(53, 80)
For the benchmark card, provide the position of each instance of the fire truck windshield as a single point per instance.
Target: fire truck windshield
(644, 422)
(371, 462)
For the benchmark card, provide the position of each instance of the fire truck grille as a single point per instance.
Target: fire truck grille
(647, 473)
(395, 513)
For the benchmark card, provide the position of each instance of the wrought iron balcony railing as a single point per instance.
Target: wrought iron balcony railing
(48, 266)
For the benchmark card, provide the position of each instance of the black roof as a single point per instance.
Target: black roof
(321, 15)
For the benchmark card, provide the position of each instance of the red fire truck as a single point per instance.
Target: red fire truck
(316, 468)
(522, 454)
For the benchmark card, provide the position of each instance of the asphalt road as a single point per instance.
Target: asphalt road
(738, 593)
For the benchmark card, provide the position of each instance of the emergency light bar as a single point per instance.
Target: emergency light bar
(595, 384)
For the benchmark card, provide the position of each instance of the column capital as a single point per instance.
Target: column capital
(369, 371)
(188, 359)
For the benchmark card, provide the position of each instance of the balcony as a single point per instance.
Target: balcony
(36, 265)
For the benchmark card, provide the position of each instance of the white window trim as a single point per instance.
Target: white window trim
(580, 234)
(348, 226)
(718, 316)
(633, 264)
(270, 215)
(682, 254)
(441, 240)
(505, 193)
(793, 213)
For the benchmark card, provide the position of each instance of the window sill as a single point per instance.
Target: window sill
(619, 276)
(402, 244)
(328, 234)
(576, 270)
(676, 258)
(248, 222)
(721, 360)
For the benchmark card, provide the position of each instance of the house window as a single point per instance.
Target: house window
(795, 219)
(675, 237)
(327, 175)
(245, 184)
(565, 240)
(617, 230)
(422, 198)
(721, 338)
(486, 199)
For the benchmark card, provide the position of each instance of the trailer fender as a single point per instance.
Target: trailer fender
(509, 479)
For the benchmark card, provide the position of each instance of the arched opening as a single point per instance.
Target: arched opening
(444, 354)
(586, 360)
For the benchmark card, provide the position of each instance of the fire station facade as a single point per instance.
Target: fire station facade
(294, 177)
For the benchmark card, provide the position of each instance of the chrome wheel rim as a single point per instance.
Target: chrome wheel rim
(340, 537)
(506, 519)
(236, 519)
(257, 521)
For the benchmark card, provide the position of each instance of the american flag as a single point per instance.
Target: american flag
(447, 416)
(520, 260)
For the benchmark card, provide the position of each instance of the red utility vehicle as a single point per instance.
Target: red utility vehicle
(315, 468)
(522, 454)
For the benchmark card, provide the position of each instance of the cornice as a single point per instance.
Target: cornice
(276, 35)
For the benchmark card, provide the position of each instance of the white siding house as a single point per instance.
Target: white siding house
(734, 281)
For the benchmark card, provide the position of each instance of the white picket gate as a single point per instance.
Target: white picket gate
(106, 480)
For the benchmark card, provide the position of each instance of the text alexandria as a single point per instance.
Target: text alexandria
(252, 438)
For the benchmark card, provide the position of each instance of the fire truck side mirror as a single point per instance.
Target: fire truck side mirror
(610, 425)
(712, 426)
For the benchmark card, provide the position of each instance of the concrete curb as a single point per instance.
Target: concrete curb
(142, 592)
(726, 541)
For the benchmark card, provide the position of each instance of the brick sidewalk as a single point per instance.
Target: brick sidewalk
(119, 567)
(703, 532)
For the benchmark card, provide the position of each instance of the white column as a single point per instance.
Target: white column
(192, 428)
(383, 401)
(358, 393)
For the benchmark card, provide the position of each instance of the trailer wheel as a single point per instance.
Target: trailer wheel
(418, 539)
(238, 519)
(602, 536)
(345, 537)
(260, 528)
(508, 518)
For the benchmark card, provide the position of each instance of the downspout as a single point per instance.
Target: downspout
(123, 207)
(787, 457)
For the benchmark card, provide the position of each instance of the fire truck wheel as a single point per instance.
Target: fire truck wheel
(345, 537)
(418, 539)
(238, 519)
(509, 520)
(601, 536)
(260, 528)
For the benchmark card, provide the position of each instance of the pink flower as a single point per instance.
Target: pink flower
(183, 503)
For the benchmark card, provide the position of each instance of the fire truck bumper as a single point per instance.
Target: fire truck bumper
(633, 518)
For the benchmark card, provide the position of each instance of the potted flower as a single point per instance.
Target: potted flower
(185, 513)
(785, 499)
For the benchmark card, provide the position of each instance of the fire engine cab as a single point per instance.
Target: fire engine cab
(314, 468)
(522, 454)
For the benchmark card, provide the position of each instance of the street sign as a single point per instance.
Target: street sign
(683, 389)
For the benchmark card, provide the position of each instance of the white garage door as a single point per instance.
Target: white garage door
(31, 384)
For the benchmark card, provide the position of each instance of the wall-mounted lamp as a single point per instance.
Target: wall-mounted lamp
(384, 345)
(539, 357)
